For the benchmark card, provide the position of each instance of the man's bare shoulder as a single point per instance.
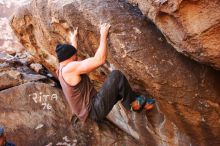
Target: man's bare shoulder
(70, 74)
(71, 67)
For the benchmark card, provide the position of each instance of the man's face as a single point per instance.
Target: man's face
(2, 140)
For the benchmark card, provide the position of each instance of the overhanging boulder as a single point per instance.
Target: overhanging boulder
(187, 92)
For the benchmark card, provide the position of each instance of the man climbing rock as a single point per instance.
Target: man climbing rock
(82, 97)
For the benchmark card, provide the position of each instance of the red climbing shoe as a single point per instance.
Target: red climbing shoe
(149, 103)
(138, 104)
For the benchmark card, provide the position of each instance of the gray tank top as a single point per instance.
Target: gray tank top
(79, 97)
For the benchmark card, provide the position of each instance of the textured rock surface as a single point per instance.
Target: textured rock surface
(13, 72)
(8, 41)
(187, 93)
(36, 114)
(191, 26)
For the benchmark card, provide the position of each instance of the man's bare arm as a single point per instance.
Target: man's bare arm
(102, 52)
(92, 63)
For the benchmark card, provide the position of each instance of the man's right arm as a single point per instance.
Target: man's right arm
(92, 63)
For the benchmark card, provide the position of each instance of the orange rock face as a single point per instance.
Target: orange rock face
(191, 26)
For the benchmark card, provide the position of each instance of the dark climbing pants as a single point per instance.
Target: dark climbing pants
(115, 88)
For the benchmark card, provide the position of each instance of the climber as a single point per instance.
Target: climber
(3, 140)
(81, 96)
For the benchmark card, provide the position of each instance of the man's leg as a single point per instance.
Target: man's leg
(115, 88)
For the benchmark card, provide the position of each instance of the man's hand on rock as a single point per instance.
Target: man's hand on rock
(104, 29)
(75, 32)
(74, 37)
